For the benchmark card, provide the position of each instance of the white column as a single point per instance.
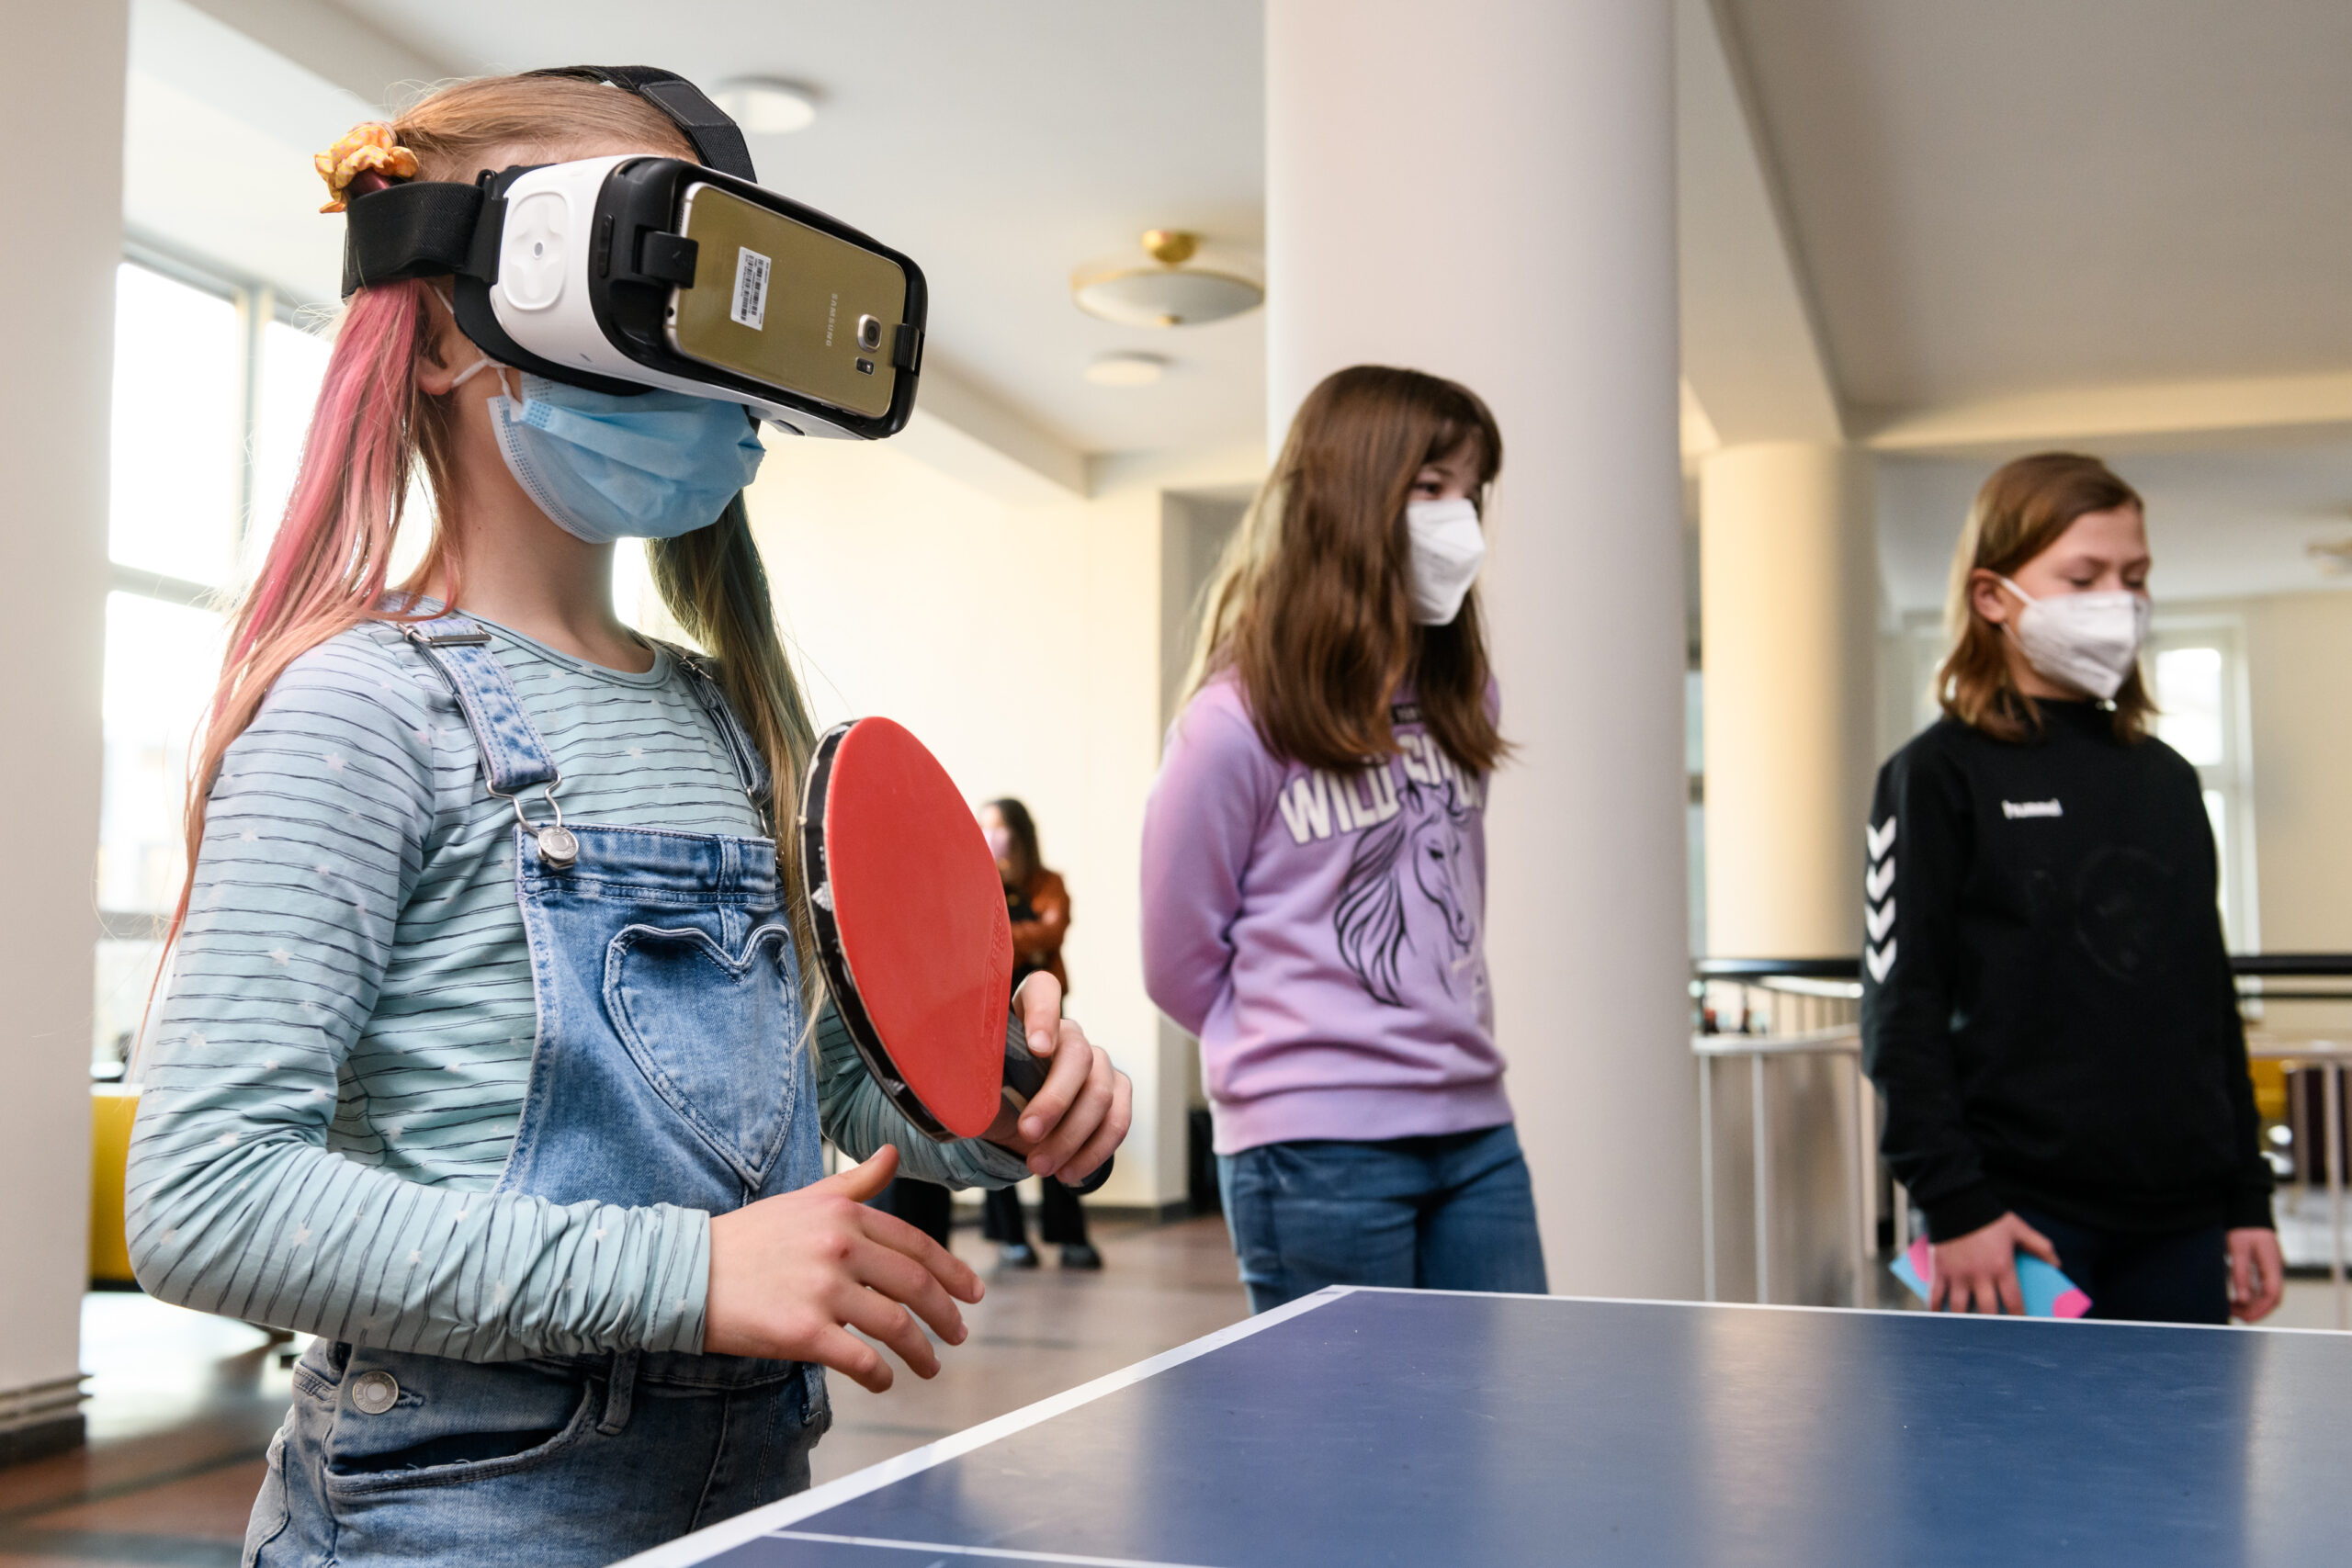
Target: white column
(58, 275)
(1788, 595)
(1485, 190)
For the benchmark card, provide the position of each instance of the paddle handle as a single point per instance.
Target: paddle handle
(1024, 1075)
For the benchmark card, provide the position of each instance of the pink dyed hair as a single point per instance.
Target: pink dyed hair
(328, 567)
(373, 427)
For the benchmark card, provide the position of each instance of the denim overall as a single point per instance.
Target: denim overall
(668, 1069)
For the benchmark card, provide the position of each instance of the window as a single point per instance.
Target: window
(214, 382)
(2198, 670)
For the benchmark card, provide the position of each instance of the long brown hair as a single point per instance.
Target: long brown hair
(374, 428)
(2018, 514)
(1311, 607)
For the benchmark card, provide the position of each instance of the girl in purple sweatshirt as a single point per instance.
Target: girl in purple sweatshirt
(1314, 859)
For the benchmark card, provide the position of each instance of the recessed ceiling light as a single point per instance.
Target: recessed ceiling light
(1127, 370)
(1174, 284)
(765, 106)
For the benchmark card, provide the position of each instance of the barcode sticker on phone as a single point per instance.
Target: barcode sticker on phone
(750, 306)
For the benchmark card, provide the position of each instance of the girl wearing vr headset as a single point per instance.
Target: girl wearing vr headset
(491, 1134)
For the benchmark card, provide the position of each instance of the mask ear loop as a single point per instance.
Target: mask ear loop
(484, 362)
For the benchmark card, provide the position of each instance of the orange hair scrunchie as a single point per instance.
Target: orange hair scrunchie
(369, 147)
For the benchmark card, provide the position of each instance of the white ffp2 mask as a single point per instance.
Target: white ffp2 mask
(1448, 547)
(2087, 641)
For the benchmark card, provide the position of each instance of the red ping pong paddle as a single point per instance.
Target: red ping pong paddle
(911, 932)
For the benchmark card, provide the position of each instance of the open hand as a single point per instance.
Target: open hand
(1978, 1272)
(791, 1275)
(1081, 1117)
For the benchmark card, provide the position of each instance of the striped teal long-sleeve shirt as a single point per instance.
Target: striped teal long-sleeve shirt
(339, 1063)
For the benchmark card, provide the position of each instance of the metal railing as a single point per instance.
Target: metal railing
(1799, 1018)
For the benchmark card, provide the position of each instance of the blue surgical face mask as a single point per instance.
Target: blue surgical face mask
(606, 467)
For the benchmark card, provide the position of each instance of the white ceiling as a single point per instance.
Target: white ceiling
(1983, 199)
(1001, 145)
(2221, 524)
(2006, 195)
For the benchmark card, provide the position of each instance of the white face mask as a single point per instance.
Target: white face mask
(2087, 641)
(1448, 547)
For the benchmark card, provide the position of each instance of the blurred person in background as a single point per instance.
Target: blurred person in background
(1038, 905)
(2047, 1003)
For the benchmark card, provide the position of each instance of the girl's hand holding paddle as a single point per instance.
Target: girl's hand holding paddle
(1081, 1117)
(791, 1275)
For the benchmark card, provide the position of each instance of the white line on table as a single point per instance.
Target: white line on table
(705, 1544)
(995, 1552)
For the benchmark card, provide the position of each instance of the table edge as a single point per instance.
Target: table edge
(704, 1544)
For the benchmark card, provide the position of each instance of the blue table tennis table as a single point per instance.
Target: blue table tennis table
(1368, 1427)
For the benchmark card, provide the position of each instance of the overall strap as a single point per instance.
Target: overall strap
(514, 758)
(750, 768)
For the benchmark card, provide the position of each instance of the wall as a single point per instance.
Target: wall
(1023, 643)
(2298, 666)
(54, 421)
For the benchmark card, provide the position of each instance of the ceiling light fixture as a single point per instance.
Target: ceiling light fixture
(1127, 370)
(2333, 556)
(765, 107)
(1174, 284)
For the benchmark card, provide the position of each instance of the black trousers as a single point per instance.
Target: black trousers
(2170, 1277)
(925, 1205)
(1061, 1221)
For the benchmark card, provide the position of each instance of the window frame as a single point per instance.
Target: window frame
(259, 304)
(2233, 777)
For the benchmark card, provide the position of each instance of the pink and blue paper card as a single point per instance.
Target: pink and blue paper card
(2048, 1293)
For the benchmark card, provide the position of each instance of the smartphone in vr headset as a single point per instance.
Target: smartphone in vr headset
(632, 271)
(655, 271)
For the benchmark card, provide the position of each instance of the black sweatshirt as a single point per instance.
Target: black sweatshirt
(2047, 1008)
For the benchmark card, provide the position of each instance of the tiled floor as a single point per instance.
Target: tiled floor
(183, 1405)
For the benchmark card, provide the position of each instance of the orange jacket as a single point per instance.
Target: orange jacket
(1037, 943)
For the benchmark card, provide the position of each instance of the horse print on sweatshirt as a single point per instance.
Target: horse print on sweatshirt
(1411, 896)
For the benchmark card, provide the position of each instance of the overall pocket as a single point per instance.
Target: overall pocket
(713, 1032)
(411, 1421)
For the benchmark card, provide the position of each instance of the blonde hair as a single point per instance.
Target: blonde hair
(2019, 513)
(374, 427)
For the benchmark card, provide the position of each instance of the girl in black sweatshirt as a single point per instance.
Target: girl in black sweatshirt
(2047, 1006)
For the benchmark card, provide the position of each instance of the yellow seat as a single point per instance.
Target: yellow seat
(112, 1109)
(2270, 1089)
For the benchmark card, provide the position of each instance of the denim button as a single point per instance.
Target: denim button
(375, 1393)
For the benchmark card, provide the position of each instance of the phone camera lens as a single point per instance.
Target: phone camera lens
(869, 333)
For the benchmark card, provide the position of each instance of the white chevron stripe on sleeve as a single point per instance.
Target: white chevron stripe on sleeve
(1880, 918)
(1880, 838)
(1880, 878)
(1880, 959)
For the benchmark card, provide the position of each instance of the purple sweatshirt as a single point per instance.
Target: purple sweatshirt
(1321, 932)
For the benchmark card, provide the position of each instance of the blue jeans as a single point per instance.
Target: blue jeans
(1447, 1213)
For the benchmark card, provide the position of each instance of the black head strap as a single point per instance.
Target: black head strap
(717, 139)
(427, 229)
(433, 227)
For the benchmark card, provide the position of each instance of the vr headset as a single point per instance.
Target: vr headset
(621, 274)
